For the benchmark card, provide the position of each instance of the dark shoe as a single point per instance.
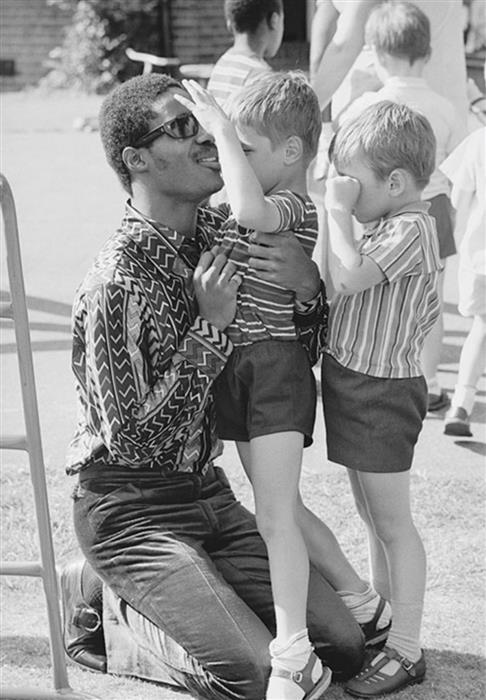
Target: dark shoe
(303, 679)
(372, 682)
(82, 630)
(457, 423)
(376, 636)
(436, 402)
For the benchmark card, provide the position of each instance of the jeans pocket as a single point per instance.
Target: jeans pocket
(97, 512)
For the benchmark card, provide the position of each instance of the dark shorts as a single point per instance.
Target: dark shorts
(372, 424)
(441, 210)
(267, 387)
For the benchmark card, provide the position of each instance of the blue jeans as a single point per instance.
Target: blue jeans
(190, 571)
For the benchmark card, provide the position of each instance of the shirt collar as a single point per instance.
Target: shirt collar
(406, 81)
(419, 206)
(165, 246)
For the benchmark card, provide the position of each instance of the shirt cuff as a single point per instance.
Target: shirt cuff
(206, 347)
(307, 313)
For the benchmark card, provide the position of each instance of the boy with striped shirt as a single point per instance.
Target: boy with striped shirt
(257, 28)
(265, 395)
(374, 394)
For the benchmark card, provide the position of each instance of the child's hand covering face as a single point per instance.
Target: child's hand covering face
(342, 192)
(204, 107)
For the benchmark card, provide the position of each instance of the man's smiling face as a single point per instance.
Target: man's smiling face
(188, 167)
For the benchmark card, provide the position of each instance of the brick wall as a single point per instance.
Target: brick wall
(199, 33)
(29, 29)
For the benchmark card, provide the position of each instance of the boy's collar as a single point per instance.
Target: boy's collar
(420, 206)
(407, 80)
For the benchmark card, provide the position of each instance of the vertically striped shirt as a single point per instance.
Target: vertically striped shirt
(380, 330)
(265, 310)
(233, 70)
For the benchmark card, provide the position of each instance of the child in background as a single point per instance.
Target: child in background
(399, 35)
(374, 394)
(465, 168)
(257, 28)
(265, 396)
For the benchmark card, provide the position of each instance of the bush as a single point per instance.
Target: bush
(92, 56)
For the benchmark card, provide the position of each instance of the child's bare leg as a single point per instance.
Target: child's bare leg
(388, 502)
(378, 564)
(275, 473)
(358, 595)
(274, 469)
(325, 552)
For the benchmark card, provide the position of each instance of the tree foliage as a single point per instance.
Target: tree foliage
(92, 56)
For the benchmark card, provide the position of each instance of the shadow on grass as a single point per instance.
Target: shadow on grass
(450, 675)
(49, 306)
(479, 448)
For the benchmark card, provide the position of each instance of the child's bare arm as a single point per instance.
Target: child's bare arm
(245, 195)
(351, 272)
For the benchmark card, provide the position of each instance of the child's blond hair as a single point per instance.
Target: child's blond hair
(388, 136)
(278, 105)
(399, 29)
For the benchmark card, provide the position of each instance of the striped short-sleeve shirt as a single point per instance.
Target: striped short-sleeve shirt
(265, 310)
(231, 71)
(380, 331)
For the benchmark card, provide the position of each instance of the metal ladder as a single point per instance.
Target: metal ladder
(16, 310)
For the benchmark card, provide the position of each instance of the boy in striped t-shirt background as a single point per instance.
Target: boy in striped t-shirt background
(257, 28)
(374, 394)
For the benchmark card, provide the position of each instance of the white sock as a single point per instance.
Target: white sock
(292, 655)
(363, 606)
(464, 396)
(404, 635)
(433, 386)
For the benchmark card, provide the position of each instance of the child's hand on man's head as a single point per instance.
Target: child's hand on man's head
(204, 107)
(342, 192)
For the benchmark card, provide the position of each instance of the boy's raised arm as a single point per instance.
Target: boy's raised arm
(245, 194)
(351, 272)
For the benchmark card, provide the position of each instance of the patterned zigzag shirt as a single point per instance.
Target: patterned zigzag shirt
(144, 360)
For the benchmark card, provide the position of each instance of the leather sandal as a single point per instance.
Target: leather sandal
(303, 678)
(376, 636)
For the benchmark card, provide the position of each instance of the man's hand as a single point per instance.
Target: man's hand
(215, 286)
(282, 260)
(204, 107)
(342, 193)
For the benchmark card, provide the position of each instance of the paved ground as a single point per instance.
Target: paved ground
(68, 201)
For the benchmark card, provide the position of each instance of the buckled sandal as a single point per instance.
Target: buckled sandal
(374, 636)
(303, 678)
(371, 682)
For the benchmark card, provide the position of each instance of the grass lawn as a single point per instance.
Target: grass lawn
(450, 517)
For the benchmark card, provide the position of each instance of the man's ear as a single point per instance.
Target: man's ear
(294, 149)
(397, 182)
(274, 19)
(134, 159)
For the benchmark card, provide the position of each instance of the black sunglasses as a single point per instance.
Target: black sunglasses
(182, 127)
